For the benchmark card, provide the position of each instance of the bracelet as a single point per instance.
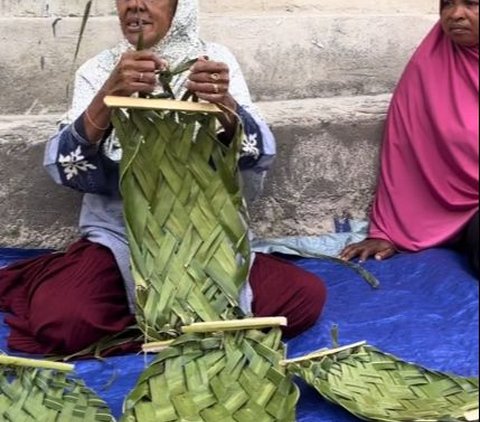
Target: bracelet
(90, 120)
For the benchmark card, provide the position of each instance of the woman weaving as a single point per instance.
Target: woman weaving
(65, 302)
(427, 195)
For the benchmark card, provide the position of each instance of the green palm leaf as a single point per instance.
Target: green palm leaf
(185, 217)
(228, 377)
(30, 393)
(376, 386)
(86, 15)
(186, 222)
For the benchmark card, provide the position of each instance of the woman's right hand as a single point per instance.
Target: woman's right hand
(135, 72)
(380, 249)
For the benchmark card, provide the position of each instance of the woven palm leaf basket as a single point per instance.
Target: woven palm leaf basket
(36, 391)
(376, 386)
(221, 376)
(184, 212)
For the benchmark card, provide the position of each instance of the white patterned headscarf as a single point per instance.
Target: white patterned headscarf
(180, 44)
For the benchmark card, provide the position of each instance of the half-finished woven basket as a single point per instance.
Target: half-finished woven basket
(185, 215)
(376, 386)
(219, 377)
(33, 394)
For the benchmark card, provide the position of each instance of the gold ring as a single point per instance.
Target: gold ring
(215, 88)
(214, 76)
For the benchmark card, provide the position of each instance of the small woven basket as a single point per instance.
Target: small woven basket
(33, 394)
(216, 377)
(185, 216)
(376, 386)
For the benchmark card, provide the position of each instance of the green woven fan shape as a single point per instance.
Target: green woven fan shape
(376, 386)
(185, 218)
(36, 395)
(228, 377)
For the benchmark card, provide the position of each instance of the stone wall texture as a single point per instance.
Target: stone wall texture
(322, 72)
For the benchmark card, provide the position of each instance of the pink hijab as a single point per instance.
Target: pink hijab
(428, 188)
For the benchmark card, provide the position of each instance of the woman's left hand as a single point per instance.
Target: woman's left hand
(210, 81)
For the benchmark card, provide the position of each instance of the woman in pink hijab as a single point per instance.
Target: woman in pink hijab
(427, 194)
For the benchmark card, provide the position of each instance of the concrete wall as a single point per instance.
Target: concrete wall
(321, 71)
(34, 211)
(39, 8)
(293, 57)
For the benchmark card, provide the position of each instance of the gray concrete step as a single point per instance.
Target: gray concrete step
(284, 56)
(35, 212)
(326, 166)
(102, 7)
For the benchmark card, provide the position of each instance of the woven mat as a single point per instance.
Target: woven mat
(34, 395)
(376, 386)
(230, 377)
(185, 218)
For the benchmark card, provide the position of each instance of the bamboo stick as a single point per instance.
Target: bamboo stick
(473, 416)
(235, 325)
(160, 104)
(157, 347)
(33, 363)
(322, 353)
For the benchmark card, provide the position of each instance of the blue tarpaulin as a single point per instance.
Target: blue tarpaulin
(426, 311)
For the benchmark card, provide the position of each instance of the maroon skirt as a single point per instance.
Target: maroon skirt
(62, 303)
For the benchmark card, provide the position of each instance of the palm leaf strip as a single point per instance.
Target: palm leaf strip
(376, 386)
(31, 393)
(228, 377)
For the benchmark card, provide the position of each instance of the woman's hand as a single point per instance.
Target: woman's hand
(380, 249)
(210, 81)
(135, 72)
